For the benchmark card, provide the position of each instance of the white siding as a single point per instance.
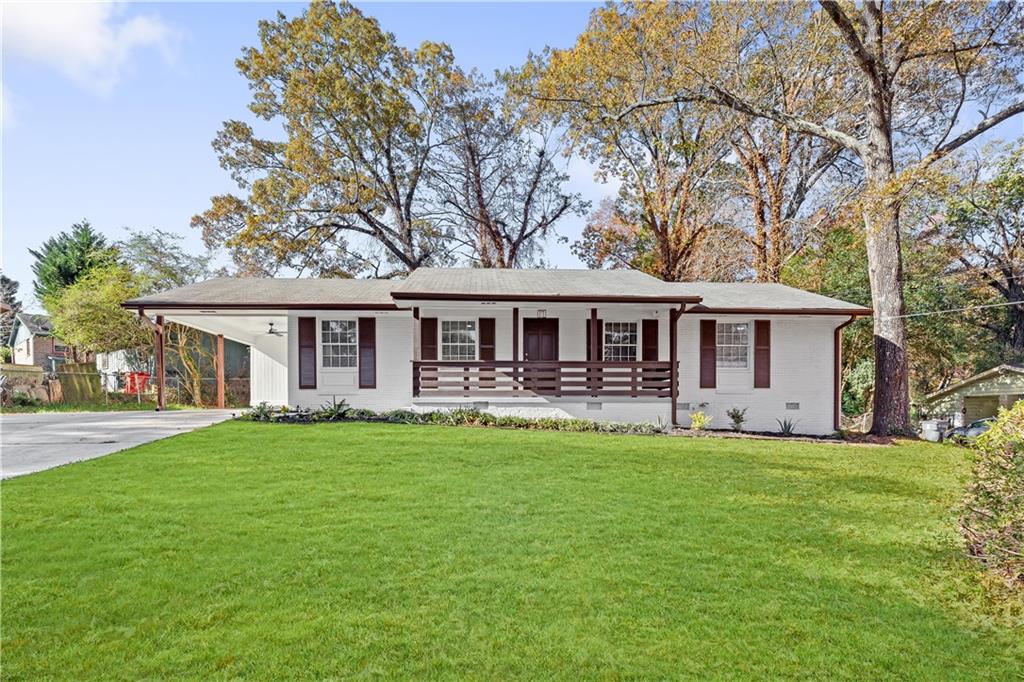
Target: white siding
(802, 372)
(394, 364)
(268, 371)
(802, 368)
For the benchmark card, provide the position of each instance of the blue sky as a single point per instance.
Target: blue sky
(108, 111)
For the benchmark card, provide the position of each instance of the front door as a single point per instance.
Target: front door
(540, 339)
(540, 344)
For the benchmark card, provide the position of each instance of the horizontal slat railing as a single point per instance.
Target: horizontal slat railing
(444, 379)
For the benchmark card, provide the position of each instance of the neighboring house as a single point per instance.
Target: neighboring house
(978, 396)
(32, 342)
(612, 345)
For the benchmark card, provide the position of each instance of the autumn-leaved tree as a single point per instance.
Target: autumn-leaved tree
(669, 160)
(984, 222)
(498, 185)
(359, 113)
(920, 71)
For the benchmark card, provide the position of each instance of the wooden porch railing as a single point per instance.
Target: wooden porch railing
(444, 379)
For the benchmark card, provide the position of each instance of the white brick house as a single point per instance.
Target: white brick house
(608, 345)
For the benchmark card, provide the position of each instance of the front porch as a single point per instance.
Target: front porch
(559, 379)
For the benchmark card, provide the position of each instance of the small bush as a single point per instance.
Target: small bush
(359, 414)
(331, 412)
(258, 413)
(737, 416)
(992, 520)
(787, 426)
(401, 417)
(25, 400)
(699, 421)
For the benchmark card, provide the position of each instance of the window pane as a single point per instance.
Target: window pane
(732, 340)
(458, 340)
(338, 343)
(620, 341)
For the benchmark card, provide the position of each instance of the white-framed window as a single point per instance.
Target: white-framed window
(458, 339)
(620, 340)
(338, 343)
(733, 344)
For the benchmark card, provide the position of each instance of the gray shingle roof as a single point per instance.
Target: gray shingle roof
(475, 283)
(753, 295)
(442, 283)
(37, 325)
(240, 292)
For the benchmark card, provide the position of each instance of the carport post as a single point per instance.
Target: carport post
(159, 334)
(220, 371)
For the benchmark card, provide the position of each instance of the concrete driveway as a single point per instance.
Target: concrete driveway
(34, 442)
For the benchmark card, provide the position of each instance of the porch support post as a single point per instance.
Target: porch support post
(515, 349)
(220, 371)
(417, 352)
(593, 374)
(159, 338)
(673, 320)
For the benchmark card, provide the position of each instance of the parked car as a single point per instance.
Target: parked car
(972, 430)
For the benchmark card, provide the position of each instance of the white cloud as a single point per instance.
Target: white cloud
(91, 43)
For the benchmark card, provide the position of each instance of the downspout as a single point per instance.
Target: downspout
(837, 377)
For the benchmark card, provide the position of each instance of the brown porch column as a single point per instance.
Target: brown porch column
(515, 349)
(220, 371)
(595, 345)
(159, 334)
(673, 319)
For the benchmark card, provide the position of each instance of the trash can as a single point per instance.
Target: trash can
(136, 383)
(932, 429)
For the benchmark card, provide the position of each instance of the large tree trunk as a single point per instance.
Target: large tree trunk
(891, 412)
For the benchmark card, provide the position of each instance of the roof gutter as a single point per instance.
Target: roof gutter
(547, 298)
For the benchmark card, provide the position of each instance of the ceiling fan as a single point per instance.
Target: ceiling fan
(274, 332)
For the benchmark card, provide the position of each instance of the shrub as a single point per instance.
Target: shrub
(992, 519)
(737, 416)
(401, 417)
(331, 412)
(25, 400)
(360, 414)
(5, 354)
(699, 421)
(258, 413)
(787, 426)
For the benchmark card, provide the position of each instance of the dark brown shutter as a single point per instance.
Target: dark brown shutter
(762, 354)
(708, 369)
(428, 338)
(367, 352)
(600, 341)
(307, 352)
(486, 339)
(649, 331)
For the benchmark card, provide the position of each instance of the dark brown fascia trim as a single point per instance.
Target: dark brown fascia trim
(259, 306)
(547, 298)
(852, 312)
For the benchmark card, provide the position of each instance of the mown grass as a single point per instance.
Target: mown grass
(113, 406)
(340, 550)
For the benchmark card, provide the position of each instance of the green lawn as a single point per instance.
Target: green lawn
(290, 551)
(126, 406)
